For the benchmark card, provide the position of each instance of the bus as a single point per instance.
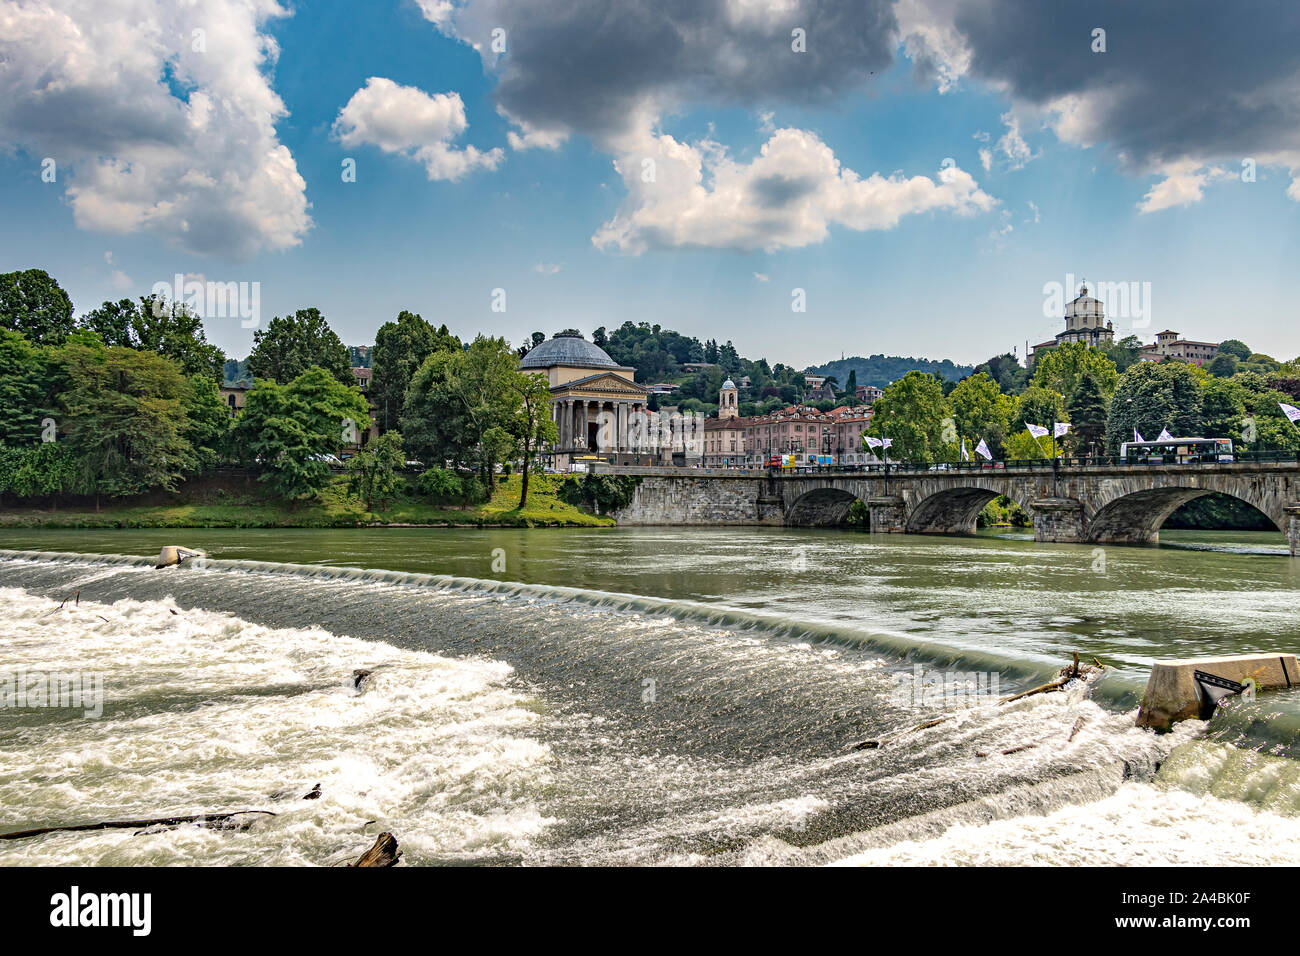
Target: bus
(1179, 451)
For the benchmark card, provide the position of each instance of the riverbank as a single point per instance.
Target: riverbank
(243, 505)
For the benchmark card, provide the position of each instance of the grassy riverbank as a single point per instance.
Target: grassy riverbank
(228, 505)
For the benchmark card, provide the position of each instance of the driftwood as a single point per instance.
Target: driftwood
(1071, 671)
(313, 793)
(359, 677)
(383, 853)
(1078, 725)
(216, 821)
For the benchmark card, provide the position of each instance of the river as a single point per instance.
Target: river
(643, 695)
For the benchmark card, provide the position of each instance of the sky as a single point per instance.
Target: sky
(806, 179)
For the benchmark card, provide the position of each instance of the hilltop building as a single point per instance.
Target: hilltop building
(1085, 321)
(1169, 345)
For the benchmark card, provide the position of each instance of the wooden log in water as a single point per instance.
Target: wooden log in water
(215, 820)
(383, 853)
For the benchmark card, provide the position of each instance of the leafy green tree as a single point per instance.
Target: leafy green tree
(24, 388)
(1087, 411)
(1236, 348)
(173, 331)
(400, 348)
(1124, 353)
(981, 411)
(1039, 406)
(911, 414)
(113, 322)
(1223, 365)
(441, 484)
(207, 420)
(124, 418)
(1151, 396)
(36, 470)
(531, 423)
(372, 472)
(32, 303)
(455, 399)
(286, 430)
(1007, 372)
(1061, 368)
(291, 345)
(1223, 409)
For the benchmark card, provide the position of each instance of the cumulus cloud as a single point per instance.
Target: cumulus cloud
(409, 122)
(612, 70)
(1181, 83)
(789, 195)
(160, 117)
(1183, 184)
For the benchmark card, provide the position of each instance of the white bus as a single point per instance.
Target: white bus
(1177, 450)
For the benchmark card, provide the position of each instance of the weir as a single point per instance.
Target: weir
(1179, 689)
(1111, 503)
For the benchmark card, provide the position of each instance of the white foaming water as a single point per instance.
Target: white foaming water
(204, 712)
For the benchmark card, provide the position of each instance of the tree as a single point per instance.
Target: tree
(1061, 368)
(531, 423)
(34, 470)
(173, 331)
(1223, 365)
(851, 386)
(291, 345)
(1223, 409)
(981, 410)
(1087, 411)
(124, 418)
(113, 322)
(911, 414)
(1151, 396)
(24, 388)
(207, 420)
(400, 348)
(32, 303)
(455, 399)
(1039, 406)
(1124, 353)
(287, 430)
(372, 472)
(1236, 348)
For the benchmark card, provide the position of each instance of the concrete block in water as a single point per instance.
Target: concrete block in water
(1171, 693)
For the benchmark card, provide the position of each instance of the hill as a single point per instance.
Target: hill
(880, 370)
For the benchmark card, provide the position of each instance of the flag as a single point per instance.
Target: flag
(965, 455)
(1038, 431)
(1290, 411)
(983, 449)
(1164, 435)
(1061, 428)
(886, 443)
(872, 442)
(1137, 435)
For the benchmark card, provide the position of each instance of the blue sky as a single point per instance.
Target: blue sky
(923, 265)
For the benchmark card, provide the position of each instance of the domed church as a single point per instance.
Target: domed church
(585, 382)
(1085, 321)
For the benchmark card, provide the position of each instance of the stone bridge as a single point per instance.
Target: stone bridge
(1102, 503)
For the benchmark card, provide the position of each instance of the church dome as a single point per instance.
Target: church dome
(1085, 306)
(571, 350)
(728, 384)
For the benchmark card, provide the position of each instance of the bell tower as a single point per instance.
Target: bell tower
(727, 407)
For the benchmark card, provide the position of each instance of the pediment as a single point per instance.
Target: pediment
(605, 383)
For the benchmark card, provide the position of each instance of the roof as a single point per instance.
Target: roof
(567, 350)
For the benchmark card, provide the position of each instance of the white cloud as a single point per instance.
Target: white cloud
(1184, 184)
(121, 281)
(409, 122)
(547, 268)
(787, 197)
(762, 277)
(160, 116)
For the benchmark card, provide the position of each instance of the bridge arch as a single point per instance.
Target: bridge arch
(954, 510)
(1136, 516)
(820, 508)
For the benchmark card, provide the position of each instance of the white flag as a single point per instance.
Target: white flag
(1164, 435)
(1061, 428)
(1137, 435)
(983, 449)
(965, 455)
(1038, 431)
(872, 442)
(1290, 411)
(887, 443)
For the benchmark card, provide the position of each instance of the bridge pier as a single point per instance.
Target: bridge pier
(1292, 511)
(888, 514)
(1057, 519)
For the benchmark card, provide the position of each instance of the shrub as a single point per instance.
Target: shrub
(441, 485)
(599, 493)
